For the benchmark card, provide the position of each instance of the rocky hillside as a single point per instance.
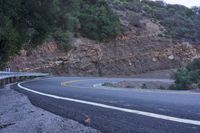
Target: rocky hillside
(139, 48)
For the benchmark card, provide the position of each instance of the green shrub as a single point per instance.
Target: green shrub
(62, 38)
(195, 65)
(108, 84)
(182, 79)
(98, 22)
(188, 77)
(143, 86)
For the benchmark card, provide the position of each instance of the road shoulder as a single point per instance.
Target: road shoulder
(19, 115)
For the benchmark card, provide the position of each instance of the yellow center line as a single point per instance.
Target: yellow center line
(67, 83)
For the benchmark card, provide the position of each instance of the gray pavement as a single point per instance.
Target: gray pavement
(177, 104)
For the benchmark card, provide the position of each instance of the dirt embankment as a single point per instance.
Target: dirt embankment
(117, 58)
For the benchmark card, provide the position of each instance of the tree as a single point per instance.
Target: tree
(23, 21)
(97, 20)
(33, 21)
(196, 10)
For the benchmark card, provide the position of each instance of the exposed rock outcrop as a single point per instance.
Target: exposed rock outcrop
(106, 59)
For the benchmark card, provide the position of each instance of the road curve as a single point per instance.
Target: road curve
(116, 110)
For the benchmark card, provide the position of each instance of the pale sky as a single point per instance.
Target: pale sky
(188, 3)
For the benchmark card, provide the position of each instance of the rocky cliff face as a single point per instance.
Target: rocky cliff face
(137, 50)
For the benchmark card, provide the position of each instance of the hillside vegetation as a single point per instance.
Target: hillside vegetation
(180, 23)
(32, 21)
(27, 23)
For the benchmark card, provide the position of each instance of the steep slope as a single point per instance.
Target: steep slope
(139, 48)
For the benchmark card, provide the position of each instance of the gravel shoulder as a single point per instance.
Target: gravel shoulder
(18, 115)
(160, 85)
(159, 74)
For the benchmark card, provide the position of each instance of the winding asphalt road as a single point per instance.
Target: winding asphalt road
(116, 110)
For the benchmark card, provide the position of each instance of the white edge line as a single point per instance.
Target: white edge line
(164, 117)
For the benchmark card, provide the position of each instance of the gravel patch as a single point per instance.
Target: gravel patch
(160, 74)
(18, 115)
(140, 85)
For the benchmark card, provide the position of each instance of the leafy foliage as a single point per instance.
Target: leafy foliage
(188, 77)
(180, 22)
(33, 21)
(97, 21)
(26, 21)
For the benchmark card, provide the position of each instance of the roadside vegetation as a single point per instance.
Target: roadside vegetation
(27, 23)
(188, 77)
(180, 23)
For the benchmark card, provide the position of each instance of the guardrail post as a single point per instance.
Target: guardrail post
(14, 79)
(1, 82)
(10, 80)
(21, 78)
(7, 81)
(17, 79)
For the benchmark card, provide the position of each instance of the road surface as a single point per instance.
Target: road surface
(116, 110)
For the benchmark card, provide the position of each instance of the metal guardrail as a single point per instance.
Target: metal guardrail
(10, 77)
